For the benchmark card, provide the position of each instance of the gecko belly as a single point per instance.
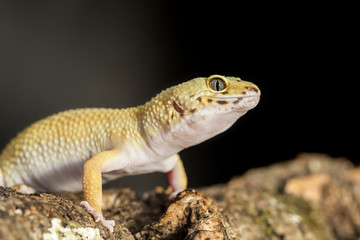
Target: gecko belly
(60, 178)
(136, 168)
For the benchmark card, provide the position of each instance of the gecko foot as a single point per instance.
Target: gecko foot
(99, 217)
(175, 193)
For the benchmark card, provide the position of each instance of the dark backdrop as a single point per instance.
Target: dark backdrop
(58, 55)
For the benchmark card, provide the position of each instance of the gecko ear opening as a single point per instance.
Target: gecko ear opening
(217, 83)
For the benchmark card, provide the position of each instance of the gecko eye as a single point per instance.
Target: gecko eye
(217, 84)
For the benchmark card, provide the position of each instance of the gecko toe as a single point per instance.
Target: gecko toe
(109, 224)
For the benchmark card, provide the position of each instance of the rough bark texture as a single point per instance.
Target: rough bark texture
(311, 197)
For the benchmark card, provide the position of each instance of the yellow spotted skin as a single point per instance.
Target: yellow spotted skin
(83, 148)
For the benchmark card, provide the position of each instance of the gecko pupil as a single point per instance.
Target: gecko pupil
(217, 84)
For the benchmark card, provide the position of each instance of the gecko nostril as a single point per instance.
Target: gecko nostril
(252, 89)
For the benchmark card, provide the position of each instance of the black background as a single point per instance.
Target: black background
(57, 55)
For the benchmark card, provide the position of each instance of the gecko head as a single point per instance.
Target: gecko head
(204, 107)
(216, 95)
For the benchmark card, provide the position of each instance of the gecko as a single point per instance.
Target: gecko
(81, 149)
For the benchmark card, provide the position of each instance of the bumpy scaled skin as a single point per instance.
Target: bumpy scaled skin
(83, 148)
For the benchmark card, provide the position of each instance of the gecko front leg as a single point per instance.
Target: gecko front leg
(92, 184)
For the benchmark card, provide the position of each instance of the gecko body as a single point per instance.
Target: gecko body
(83, 148)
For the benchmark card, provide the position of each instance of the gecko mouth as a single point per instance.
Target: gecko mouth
(243, 101)
(234, 99)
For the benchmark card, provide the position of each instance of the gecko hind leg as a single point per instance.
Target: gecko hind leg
(177, 178)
